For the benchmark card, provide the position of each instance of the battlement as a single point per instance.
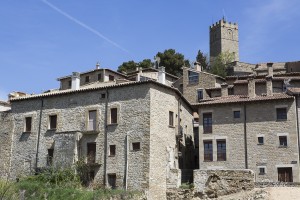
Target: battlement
(223, 22)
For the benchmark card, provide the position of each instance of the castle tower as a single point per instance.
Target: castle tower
(224, 36)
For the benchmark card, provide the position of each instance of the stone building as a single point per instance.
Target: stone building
(133, 135)
(254, 127)
(224, 37)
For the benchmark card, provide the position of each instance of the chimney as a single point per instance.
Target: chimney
(162, 75)
(224, 90)
(97, 65)
(269, 85)
(75, 81)
(251, 87)
(197, 66)
(270, 69)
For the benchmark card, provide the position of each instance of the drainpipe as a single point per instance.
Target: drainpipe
(126, 162)
(39, 133)
(105, 134)
(297, 117)
(245, 137)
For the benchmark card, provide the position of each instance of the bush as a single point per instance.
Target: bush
(187, 186)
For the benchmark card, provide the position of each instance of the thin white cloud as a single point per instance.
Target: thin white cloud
(84, 26)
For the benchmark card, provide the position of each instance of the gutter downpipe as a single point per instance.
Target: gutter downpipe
(105, 134)
(245, 137)
(297, 116)
(126, 160)
(39, 133)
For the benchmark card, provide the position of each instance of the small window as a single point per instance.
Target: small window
(113, 115)
(92, 121)
(260, 140)
(99, 77)
(262, 171)
(112, 179)
(136, 146)
(237, 114)
(52, 121)
(50, 156)
(28, 122)
(281, 114)
(171, 118)
(221, 150)
(87, 79)
(193, 77)
(91, 152)
(207, 122)
(283, 141)
(103, 96)
(69, 84)
(208, 151)
(111, 77)
(112, 150)
(200, 94)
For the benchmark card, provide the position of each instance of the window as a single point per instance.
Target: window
(99, 77)
(92, 120)
(50, 156)
(236, 114)
(171, 118)
(262, 171)
(200, 94)
(87, 79)
(207, 122)
(221, 150)
(281, 113)
(112, 150)
(283, 141)
(69, 84)
(103, 96)
(91, 152)
(208, 150)
(52, 121)
(260, 140)
(113, 115)
(111, 77)
(193, 77)
(136, 146)
(112, 179)
(28, 121)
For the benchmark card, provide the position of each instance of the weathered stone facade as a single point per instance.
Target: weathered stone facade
(143, 114)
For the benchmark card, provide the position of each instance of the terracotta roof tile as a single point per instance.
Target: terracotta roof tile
(241, 98)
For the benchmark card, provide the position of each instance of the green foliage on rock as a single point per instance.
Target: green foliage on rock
(131, 65)
(219, 65)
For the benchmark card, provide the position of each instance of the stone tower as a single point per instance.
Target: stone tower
(224, 36)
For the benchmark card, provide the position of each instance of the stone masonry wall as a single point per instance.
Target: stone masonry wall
(215, 183)
(163, 149)
(261, 122)
(6, 128)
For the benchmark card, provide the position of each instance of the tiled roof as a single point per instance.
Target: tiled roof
(4, 103)
(99, 87)
(241, 98)
(293, 90)
(130, 74)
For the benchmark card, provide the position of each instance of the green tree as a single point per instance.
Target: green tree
(202, 59)
(172, 61)
(131, 65)
(219, 65)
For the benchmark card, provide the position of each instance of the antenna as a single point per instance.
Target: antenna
(224, 15)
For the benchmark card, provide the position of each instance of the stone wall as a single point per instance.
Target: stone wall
(260, 122)
(6, 128)
(215, 183)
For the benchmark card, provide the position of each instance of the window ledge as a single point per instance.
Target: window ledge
(135, 150)
(111, 156)
(112, 124)
(260, 143)
(170, 126)
(262, 174)
(91, 132)
(282, 146)
(51, 129)
(207, 160)
(281, 120)
(27, 132)
(221, 160)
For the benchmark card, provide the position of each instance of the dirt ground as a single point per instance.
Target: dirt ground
(269, 193)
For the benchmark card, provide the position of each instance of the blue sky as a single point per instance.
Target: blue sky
(41, 40)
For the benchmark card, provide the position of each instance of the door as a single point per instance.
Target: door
(92, 120)
(285, 174)
(91, 152)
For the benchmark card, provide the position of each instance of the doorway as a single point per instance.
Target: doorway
(285, 174)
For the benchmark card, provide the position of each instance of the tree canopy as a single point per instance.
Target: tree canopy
(202, 59)
(219, 65)
(170, 59)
